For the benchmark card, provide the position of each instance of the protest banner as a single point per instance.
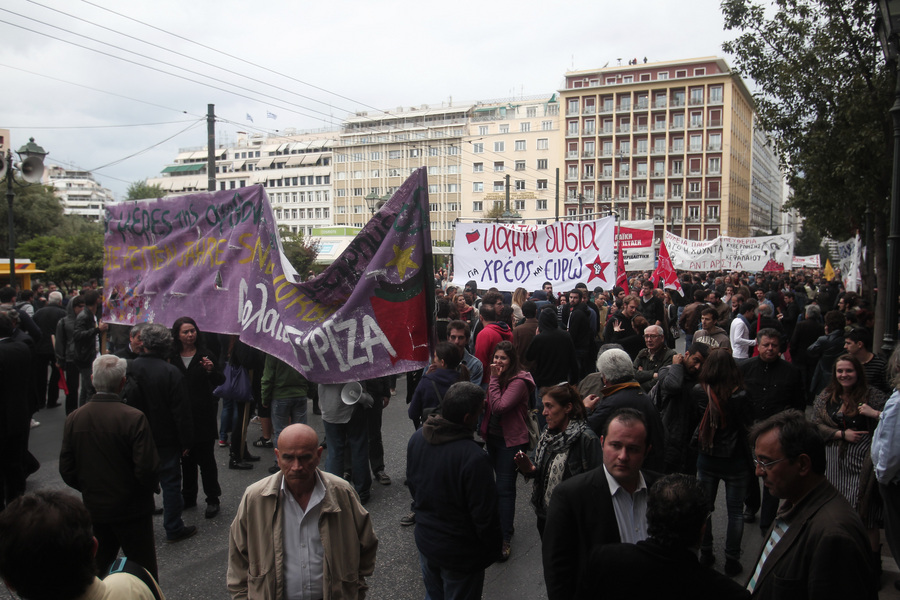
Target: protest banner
(637, 244)
(769, 253)
(508, 256)
(813, 261)
(848, 253)
(217, 257)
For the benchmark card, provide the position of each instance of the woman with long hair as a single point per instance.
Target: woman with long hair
(518, 299)
(504, 430)
(566, 447)
(465, 311)
(846, 413)
(724, 452)
(446, 369)
(201, 377)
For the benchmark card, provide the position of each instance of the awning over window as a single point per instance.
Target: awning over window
(191, 168)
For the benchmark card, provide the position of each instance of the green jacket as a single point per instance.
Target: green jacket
(281, 380)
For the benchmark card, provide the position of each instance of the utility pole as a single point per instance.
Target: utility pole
(211, 147)
(557, 194)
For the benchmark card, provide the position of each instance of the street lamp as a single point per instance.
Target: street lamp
(887, 26)
(31, 168)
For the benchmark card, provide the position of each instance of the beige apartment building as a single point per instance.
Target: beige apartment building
(671, 141)
(295, 169)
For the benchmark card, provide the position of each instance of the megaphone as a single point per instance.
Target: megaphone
(32, 169)
(353, 392)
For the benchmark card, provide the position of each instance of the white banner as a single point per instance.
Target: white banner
(637, 245)
(770, 253)
(848, 262)
(807, 262)
(510, 256)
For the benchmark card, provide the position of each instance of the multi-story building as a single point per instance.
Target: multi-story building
(78, 192)
(766, 187)
(377, 153)
(5, 142)
(295, 169)
(671, 141)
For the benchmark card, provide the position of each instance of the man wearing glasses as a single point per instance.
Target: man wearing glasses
(652, 358)
(817, 546)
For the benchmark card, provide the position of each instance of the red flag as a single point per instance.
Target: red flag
(665, 270)
(621, 278)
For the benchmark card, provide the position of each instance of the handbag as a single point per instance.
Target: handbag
(236, 386)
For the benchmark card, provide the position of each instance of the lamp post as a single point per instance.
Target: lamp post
(31, 168)
(887, 25)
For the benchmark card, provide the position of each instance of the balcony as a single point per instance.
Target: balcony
(589, 131)
(658, 150)
(676, 149)
(696, 101)
(693, 219)
(714, 196)
(712, 219)
(659, 196)
(605, 176)
(713, 171)
(571, 177)
(694, 195)
(623, 108)
(659, 173)
(623, 174)
(588, 154)
(677, 102)
(640, 174)
(695, 148)
(640, 152)
(607, 129)
(676, 173)
(714, 147)
(624, 152)
(606, 152)
(657, 218)
(572, 133)
(606, 109)
(695, 172)
(677, 219)
(696, 124)
(715, 123)
(589, 110)
(572, 154)
(641, 127)
(676, 127)
(660, 103)
(678, 197)
(642, 105)
(588, 176)
(659, 126)
(572, 112)
(715, 100)
(623, 129)
(639, 197)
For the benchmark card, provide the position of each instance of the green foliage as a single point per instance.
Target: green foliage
(301, 252)
(808, 242)
(140, 190)
(36, 211)
(75, 258)
(823, 94)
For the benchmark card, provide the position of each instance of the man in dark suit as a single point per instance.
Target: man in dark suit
(607, 505)
(817, 546)
(15, 414)
(677, 509)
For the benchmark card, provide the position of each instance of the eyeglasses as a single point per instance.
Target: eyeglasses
(651, 335)
(765, 465)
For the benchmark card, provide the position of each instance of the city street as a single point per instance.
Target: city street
(195, 568)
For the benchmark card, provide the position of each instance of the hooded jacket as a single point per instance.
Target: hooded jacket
(552, 353)
(424, 396)
(511, 405)
(488, 338)
(454, 497)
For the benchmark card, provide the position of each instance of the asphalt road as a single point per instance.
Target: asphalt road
(195, 568)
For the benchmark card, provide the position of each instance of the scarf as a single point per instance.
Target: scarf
(713, 419)
(553, 449)
(612, 389)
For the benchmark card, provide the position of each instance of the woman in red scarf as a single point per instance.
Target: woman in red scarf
(724, 453)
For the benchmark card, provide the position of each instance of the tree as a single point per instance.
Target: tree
(301, 252)
(73, 259)
(823, 96)
(140, 190)
(36, 211)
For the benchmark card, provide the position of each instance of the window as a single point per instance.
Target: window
(677, 190)
(520, 165)
(543, 144)
(393, 154)
(519, 204)
(525, 127)
(697, 95)
(700, 71)
(478, 167)
(504, 128)
(694, 187)
(628, 79)
(434, 151)
(715, 93)
(341, 193)
(682, 73)
(715, 165)
(434, 170)
(499, 186)
(452, 169)
(520, 184)
(546, 125)
(677, 167)
(715, 141)
(452, 150)
(415, 152)
(482, 130)
(499, 146)
(531, 111)
(374, 155)
(477, 148)
(498, 166)
(434, 207)
(452, 188)
(572, 128)
(542, 184)
(520, 145)
(357, 191)
(477, 186)
(434, 188)
(477, 206)
(693, 213)
(552, 110)
(541, 205)
(542, 163)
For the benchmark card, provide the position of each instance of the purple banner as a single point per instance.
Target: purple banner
(218, 259)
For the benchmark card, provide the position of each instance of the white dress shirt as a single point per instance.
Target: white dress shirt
(303, 549)
(631, 509)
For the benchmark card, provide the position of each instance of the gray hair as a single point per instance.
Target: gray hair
(615, 366)
(54, 299)
(107, 373)
(813, 311)
(136, 330)
(654, 329)
(156, 339)
(764, 310)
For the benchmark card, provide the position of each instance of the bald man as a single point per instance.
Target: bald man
(286, 522)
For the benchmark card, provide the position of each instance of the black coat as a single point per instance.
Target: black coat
(157, 389)
(199, 386)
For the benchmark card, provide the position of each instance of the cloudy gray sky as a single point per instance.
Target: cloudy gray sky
(96, 81)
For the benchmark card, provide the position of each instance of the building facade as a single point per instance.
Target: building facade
(766, 187)
(295, 169)
(671, 141)
(78, 192)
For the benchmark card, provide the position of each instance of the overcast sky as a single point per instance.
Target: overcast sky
(312, 62)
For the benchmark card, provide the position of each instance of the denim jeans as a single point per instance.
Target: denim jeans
(170, 482)
(355, 434)
(505, 472)
(733, 471)
(226, 421)
(287, 411)
(444, 584)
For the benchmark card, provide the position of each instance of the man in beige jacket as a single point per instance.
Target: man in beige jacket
(285, 523)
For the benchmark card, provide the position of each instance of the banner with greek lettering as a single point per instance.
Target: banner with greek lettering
(218, 259)
(637, 244)
(511, 256)
(848, 262)
(813, 261)
(770, 253)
